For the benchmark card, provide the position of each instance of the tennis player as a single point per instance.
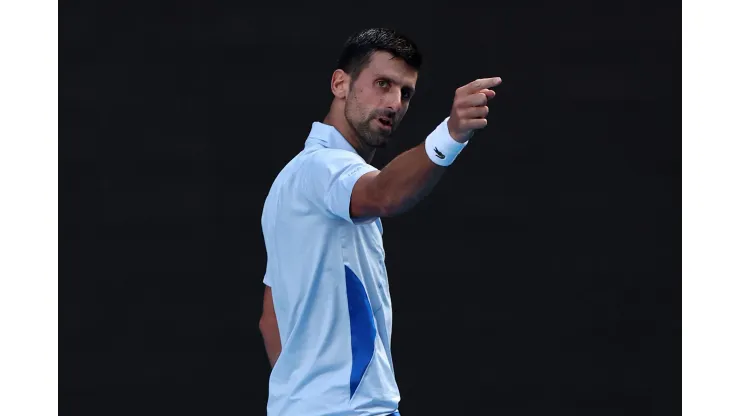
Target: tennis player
(326, 320)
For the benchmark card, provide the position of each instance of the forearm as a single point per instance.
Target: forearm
(271, 337)
(410, 177)
(406, 180)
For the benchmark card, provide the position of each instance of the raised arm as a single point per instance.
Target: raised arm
(410, 176)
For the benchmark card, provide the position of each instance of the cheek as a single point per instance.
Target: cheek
(360, 108)
(367, 97)
(355, 110)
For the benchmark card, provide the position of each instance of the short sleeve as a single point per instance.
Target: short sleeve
(329, 178)
(267, 233)
(269, 272)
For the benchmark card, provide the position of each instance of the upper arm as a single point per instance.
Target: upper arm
(268, 307)
(364, 201)
(341, 183)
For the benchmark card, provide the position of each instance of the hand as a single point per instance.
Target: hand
(469, 109)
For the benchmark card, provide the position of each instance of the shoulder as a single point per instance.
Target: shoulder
(328, 164)
(329, 159)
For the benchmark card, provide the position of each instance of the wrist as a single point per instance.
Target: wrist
(441, 147)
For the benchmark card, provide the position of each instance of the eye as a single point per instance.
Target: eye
(383, 83)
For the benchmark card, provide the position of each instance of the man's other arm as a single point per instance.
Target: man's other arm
(269, 328)
(409, 177)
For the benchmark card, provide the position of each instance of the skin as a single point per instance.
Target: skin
(269, 328)
(383, 89)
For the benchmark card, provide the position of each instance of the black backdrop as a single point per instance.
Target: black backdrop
(542, 275)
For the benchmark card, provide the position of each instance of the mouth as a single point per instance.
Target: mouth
(385, 122)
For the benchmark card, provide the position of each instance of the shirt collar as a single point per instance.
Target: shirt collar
(327, 136)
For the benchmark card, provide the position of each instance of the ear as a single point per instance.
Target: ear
(340, 81)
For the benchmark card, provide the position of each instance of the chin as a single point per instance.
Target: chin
(373, 136)
(379, 140)
(376, 143)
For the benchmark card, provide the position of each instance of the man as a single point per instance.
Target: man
(326, 319)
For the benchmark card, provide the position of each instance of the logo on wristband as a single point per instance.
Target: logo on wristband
(439, 154)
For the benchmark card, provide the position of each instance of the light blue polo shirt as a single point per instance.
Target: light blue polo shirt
(329, 286)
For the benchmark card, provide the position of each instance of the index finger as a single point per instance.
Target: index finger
(480, 84)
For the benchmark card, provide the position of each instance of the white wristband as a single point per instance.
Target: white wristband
(441, 148)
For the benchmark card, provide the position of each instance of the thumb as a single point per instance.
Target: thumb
(489, 93)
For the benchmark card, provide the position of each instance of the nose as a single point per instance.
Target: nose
(394, 101)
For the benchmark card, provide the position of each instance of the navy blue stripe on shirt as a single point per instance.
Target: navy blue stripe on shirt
(362, 328)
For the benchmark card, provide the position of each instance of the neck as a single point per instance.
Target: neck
(337, 120)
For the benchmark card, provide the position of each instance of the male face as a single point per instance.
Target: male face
(379, 98)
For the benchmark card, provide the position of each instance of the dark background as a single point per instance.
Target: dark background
(541, 276)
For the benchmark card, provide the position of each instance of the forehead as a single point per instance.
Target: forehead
(383, 64)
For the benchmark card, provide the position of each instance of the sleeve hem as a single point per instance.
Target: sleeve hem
(347, 182)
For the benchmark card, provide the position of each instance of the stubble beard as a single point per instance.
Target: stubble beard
(362, 125)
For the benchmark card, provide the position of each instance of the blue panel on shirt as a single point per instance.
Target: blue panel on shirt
(362, 328)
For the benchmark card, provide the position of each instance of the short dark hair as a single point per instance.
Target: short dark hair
(360, 47)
